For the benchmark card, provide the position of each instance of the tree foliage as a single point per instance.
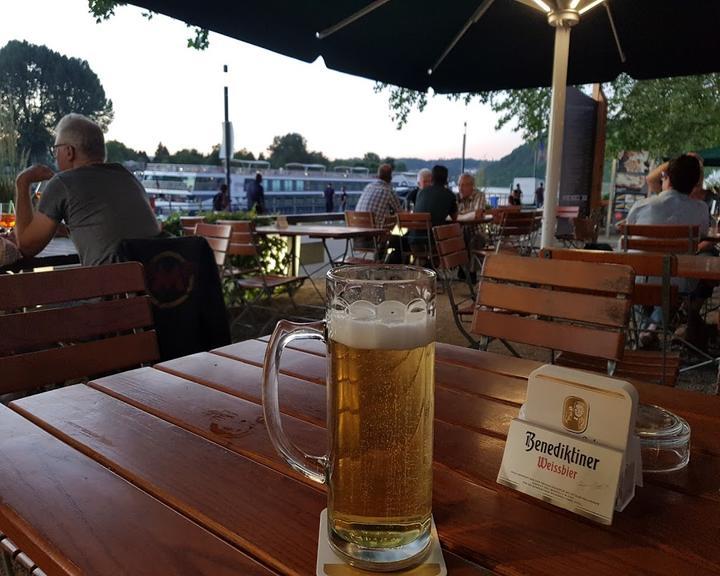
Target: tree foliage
(161, 153)
(666, 116)
(105, 9)
(39, 86)
(119, 152)
(292, 147)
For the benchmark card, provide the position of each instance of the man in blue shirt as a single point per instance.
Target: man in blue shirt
(256, 195)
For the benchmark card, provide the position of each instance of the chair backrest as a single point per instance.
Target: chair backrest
(359, 219)
(365, 246)
(414, 220)
(450, 244)
(650, 264)
(243, 241)
(186, 292)
(218, 237)
(669, 238)
(76, 323)
(499, 212)
(188, 223)
(576, 307)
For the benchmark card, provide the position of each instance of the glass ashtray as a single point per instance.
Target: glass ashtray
(664, 439)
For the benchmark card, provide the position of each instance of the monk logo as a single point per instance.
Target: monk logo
(575, 414)
(170, 279)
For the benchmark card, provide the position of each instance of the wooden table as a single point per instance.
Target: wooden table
(169, 470)
(59, 252)
(699, 266)
(324, 233)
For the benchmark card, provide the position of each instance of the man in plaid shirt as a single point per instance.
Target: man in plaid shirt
(379, 197)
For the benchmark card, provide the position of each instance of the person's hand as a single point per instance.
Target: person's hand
(35, 173)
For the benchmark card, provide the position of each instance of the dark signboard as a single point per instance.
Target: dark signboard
(578, 156)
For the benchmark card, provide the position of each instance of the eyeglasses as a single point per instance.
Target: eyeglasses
(54, 147)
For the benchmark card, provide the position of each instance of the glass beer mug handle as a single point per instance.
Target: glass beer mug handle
(285, 332)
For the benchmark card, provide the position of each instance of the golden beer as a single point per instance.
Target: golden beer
(380, 419)
(380, 332)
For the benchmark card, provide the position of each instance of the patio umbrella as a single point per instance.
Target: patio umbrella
(476, 45)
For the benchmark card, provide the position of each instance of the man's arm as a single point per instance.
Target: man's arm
(654, 179)
(33, 230)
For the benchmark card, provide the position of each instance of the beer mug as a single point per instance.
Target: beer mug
(379, 330)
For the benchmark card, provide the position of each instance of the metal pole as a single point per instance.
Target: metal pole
(227, 137)
(555, 139)
(462, 164)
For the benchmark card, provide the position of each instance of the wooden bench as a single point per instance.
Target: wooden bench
(69, 324)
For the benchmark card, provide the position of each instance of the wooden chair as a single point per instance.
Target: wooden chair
(574, 230)
(362, 250)
(218, 236)
(422, 253)
(576, 307)
(565, 226)
(74, 323)
(453, 255)
(667, 238)
(255, 287)
(515, 231)
(662, 366)
(188, 223)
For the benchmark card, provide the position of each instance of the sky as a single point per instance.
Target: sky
(163, 91)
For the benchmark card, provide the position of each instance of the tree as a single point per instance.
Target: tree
(666, 116)
(188, 156)
(39, 86)
(292, 147)
(161, 153)
(104, 9)
(119, 152)
(243, 154)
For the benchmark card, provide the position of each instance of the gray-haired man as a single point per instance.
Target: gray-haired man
(101, 203)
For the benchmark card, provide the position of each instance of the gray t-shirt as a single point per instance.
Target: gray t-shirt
(101, 204)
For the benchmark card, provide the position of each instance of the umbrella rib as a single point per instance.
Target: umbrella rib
(473, 19)
(350, 19)
(615, 33)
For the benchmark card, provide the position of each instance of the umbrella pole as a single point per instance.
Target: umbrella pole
(555, 139)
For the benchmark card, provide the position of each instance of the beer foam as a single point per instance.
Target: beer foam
(390, 325)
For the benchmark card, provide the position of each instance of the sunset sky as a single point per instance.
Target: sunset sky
(163, 91)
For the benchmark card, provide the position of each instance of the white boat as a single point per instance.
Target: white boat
(294, 189)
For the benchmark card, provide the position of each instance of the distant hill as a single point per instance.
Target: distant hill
(453, 164)
(519, 163)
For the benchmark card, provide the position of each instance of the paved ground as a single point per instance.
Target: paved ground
(704, 380)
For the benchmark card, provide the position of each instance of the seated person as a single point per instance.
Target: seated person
(438, 200)
(101, 203)
(471, 205)
(673, 205)
(424, 179)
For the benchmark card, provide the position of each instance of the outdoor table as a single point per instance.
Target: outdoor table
(170, 470)
(698, 266)
(323, 233)
(59, 252)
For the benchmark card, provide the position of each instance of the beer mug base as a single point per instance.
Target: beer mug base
(382, 559)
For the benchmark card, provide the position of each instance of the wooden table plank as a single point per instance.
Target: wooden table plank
(548, 534)
(243, 380)
(698, 266)
(294, 362)
(699, 479)
(267, 514)
(62, 509)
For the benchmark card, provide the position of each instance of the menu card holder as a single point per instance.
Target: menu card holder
(573, 444)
